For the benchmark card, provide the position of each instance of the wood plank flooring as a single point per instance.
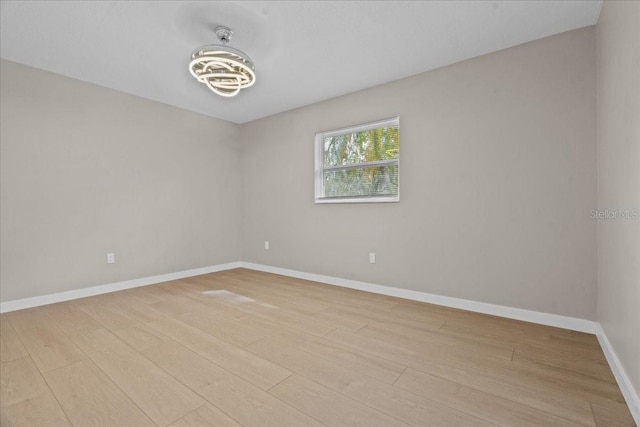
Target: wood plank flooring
(245, 348)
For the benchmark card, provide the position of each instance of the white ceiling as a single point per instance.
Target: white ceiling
(304, 51)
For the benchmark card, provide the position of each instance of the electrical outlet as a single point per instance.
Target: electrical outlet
(372, 257)
(111, 258)
(266, 244)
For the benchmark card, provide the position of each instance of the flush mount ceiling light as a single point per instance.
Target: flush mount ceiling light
(223, 69)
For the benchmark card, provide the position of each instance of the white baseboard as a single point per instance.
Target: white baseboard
(556, 320)
(111, 287)
(624, 382)
(572, 323)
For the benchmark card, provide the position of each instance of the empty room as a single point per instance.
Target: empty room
(320, 213)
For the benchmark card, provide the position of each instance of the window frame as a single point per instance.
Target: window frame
(320, 168)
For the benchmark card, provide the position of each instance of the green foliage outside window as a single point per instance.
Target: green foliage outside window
(362, 163)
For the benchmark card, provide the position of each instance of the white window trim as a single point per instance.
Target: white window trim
(319, 164)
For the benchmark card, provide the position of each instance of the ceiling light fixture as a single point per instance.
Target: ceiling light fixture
(223, 69)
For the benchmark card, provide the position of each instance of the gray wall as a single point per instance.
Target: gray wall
(618, 47)
(87, 170)
(497, 167)
(498, 175)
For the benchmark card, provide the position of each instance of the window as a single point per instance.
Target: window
(359, 164)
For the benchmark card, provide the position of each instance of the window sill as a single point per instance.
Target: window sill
(380, 199)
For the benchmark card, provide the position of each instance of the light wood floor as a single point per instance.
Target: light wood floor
(244, 348)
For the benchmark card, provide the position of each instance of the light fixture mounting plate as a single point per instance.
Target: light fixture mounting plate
(223, 33)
